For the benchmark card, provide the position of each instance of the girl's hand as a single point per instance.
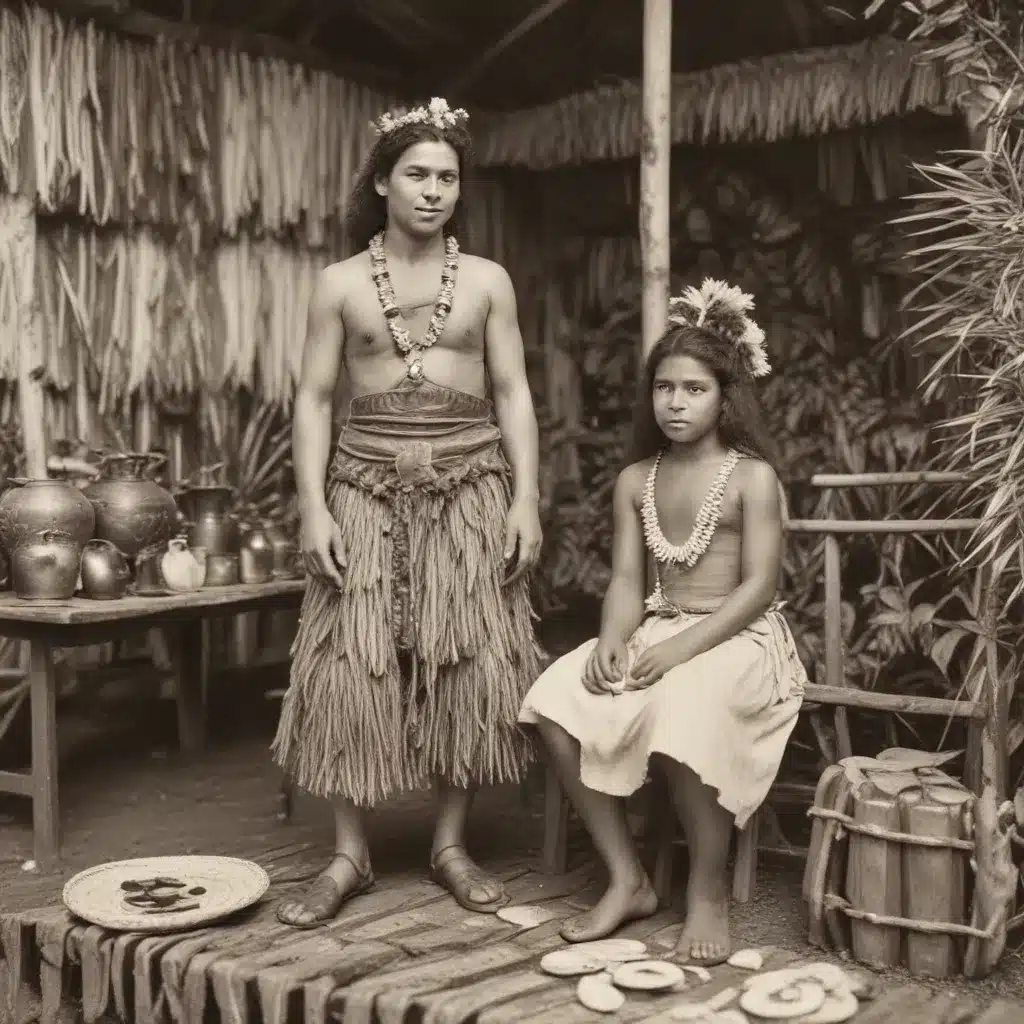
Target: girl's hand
(655, 662)
(605, 667)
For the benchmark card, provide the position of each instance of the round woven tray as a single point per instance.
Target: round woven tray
(229, 885)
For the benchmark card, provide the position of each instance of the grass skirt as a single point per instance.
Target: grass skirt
(419, 664)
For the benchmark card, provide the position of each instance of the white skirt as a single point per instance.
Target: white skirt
(727, 714)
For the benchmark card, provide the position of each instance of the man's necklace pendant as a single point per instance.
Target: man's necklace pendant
(415, 371)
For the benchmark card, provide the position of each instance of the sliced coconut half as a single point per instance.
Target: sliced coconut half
(772, 979)
(566, 963)
(702, 974)
(612, 949)
(832, 978)
(647, 975)
(527, 916)
(797, 999)
(747, 960)
(839, 1006)
(597, 993)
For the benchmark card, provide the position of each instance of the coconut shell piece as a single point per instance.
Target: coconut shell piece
(567, 963)
(702, 974)
(747, 960)
(839, 1006)
(597, 993)
(647, 975)
(612, 949)
(798, 998)
(526, 916)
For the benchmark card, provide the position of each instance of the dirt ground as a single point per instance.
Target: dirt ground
(125, 792)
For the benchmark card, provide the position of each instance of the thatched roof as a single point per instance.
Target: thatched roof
(435, 47)
(809, 92)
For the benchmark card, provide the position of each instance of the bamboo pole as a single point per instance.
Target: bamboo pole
(18, 231)
(655, 156)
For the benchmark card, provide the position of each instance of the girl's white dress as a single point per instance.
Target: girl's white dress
(727, 714)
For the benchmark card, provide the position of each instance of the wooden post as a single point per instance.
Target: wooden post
(18, 251)
(655, 154)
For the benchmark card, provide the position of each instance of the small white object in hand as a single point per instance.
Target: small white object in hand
(28, 865)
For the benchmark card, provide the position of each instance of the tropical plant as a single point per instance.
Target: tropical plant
(967, 306)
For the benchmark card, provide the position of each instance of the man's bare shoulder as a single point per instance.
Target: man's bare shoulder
(490, 275)
(339, 279)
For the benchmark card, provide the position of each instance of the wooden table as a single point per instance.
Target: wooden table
(50, 624)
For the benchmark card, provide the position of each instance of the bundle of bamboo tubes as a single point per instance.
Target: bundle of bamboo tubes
(120, 130)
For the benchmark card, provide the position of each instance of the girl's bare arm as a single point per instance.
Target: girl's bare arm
(623, 609)
(761, 559)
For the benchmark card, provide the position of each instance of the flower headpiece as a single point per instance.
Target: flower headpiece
(722, 308)
(436, 112)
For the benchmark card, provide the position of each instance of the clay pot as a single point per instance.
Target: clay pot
(285, 551)
(32, 506)
(256, 557)
(45, 567)
(105, 572)
(221, 570)
(210, 525)
(132, 511)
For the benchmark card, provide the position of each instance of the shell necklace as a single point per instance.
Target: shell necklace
(410, 349)
(704, 525)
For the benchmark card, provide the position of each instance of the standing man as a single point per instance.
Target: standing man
(416, 645)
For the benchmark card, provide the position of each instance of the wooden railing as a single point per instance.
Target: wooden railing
(986, 713)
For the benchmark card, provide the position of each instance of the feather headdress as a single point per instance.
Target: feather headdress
(722, 309)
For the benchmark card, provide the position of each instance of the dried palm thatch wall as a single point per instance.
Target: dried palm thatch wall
(805, 93)
(184, 199)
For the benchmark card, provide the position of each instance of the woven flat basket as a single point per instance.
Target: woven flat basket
(223, 886)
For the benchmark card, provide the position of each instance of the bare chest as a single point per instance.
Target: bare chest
(679, 503)
(368, 336)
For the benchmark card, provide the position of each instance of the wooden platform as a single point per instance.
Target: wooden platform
(402, 952)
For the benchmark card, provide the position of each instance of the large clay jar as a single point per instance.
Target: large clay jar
(210, 524)
(132, 511)
(36, 505)
(45, 567)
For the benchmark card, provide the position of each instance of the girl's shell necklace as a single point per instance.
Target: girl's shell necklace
(704, 526)
(410, 349)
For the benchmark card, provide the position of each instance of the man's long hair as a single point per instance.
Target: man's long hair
(368, 211)
(739, 422)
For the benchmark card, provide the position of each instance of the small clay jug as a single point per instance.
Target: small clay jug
(256, 557)
(105, 572)
(44, 567)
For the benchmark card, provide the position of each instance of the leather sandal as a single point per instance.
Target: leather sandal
(325, 897)
(460, 881)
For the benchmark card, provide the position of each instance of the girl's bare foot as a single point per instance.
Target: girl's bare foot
(623, 901)
(346, 876)
(705, 937)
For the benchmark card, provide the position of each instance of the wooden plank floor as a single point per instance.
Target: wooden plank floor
(404, 951)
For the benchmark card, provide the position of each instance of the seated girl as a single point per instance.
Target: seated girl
(702, 677)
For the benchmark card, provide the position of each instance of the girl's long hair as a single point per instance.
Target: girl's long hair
(368, 211)
(739, 422)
